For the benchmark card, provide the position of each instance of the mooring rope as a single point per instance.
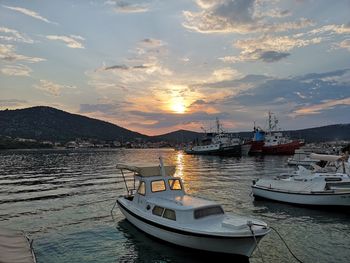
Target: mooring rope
(251, 224)
(290, 251)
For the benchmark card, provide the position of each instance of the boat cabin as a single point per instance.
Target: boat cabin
(151, 180)
(157, 192)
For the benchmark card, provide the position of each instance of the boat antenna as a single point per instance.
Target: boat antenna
(162, 170)
(270, 121)
(217, 125)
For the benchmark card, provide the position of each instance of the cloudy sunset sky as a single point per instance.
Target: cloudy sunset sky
(158, 66)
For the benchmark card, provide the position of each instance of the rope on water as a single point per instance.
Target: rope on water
(290, 251)
(251, 224)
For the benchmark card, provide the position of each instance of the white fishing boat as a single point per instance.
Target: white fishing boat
(219, 143)
(161, 208)
(322, 186)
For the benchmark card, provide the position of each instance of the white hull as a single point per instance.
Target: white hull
(243, 246)
(301, 162)
(316, 199)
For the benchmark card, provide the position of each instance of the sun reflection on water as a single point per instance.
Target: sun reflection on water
(180, 165)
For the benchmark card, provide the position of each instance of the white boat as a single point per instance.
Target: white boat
(301, 157)
(219, 143)
(327, 186)
(161, 208)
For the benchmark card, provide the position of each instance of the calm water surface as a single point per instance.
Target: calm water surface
(63, 200)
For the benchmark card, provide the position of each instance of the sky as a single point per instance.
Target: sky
(161, 65)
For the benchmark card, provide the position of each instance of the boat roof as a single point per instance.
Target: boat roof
(181, 202)
(146, 170)
(325, 157)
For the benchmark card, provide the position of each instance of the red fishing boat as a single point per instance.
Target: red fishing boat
(272, 141)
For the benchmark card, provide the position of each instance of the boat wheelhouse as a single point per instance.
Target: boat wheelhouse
(157, 204)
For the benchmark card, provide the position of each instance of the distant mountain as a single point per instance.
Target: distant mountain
(318, 134)
(46, 123)
(325, 133)
(180, 136)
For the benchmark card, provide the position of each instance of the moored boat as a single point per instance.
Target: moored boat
(219, 143)
(272, 140)
(161, 208)
(325, 186)
(258, 141)
(301, 157)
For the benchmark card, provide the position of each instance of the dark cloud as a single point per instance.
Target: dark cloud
(124, 67)
(199, 102)
(311, 76)
(272, 56)
(238, 16)
(130, 6)
(312, 88)
(238, 11)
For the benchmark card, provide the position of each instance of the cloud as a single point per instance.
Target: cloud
(274, 12)
(70, 41)
(11, 103)
(268, 48)
(51, 88)
(124, 67)
(272, 56)
(333, 28)
(16, 70)
(165, 120)
(317, 108)
(29, 13)
(101, 107)
(121, 6)
(14, 35)
(226, 74)
(299, 91)
(8, 53)
(238, 16)
(152, 42)
(144, 67)
(345, 44)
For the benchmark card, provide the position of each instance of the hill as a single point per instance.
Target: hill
(319, 134)
(46, 123)
(180, 136)
(325, 133)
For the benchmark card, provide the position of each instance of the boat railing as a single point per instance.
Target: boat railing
(129, 181)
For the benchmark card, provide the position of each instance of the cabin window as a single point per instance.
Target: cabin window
(175, 184)
(157, 210)
(142, 188)
(208, 211)
(158, 186)
(169, 214)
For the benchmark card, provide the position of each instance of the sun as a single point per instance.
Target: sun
(178, 106)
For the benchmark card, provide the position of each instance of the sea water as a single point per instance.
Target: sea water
(63, 199)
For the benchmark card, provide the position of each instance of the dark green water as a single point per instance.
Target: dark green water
(63, 200)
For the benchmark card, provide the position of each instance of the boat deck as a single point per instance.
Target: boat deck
(15, 247)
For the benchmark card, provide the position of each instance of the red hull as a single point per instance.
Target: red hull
(256, 147)
(287, 148)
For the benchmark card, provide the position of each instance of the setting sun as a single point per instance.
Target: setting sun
(178, 106)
